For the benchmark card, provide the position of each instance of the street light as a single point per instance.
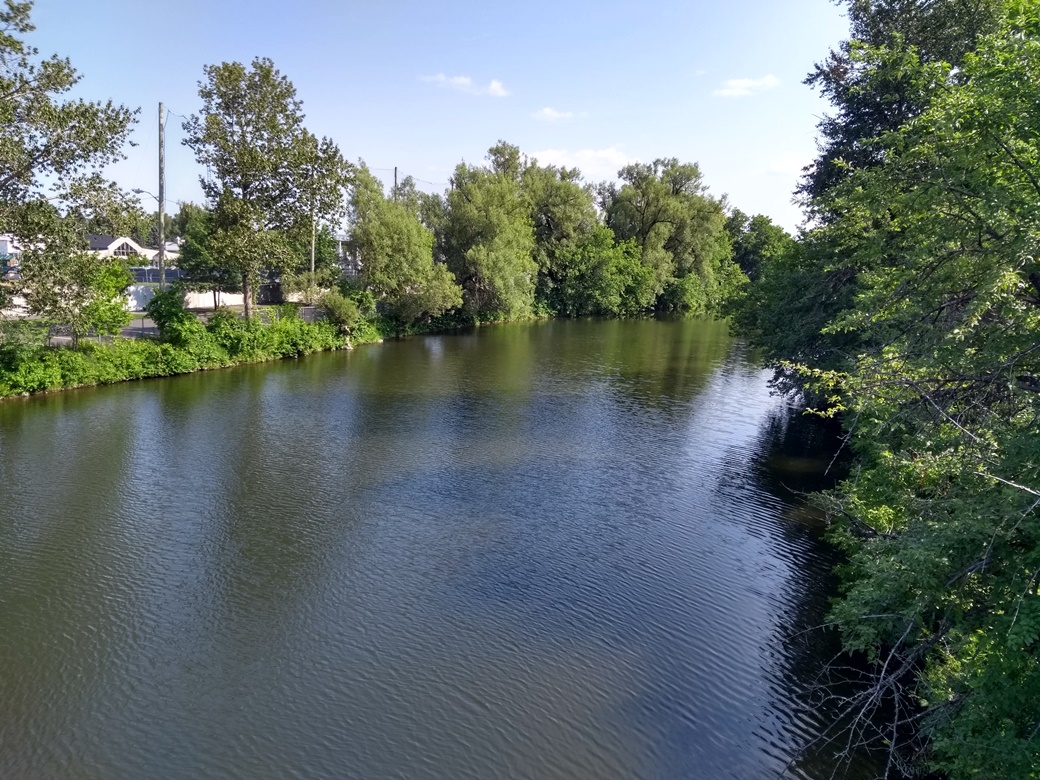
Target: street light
(162, 237)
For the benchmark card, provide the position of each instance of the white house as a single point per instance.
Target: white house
(124, 246)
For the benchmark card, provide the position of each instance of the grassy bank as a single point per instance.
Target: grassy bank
(185, 345)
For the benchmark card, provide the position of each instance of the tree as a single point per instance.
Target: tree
(51, 152)
(312, 241)
(940, 519)
(874, 94)
(63, 284)
(269, 174)
(488, 239)
(200, 269)
(598, 277)
(396, 254)
(564, 217)
(664, 207)
(876, 83)
(756, 242)
(47, 143)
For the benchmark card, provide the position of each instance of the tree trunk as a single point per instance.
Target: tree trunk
(216, 299)
(247, 295)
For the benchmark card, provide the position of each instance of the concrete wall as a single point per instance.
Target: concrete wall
(204, 300)
(138, 296)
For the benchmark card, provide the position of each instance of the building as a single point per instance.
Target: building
(346, 256)
(10, 250)
(135, 254)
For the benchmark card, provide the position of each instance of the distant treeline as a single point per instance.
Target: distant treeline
(509, 239)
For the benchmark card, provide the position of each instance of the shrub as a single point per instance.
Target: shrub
(342, 312)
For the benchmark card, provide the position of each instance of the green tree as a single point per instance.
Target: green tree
(200, 269)
(664, 207)
(63, 284)
(269, 175)
(488, 239)
(876, 83)
(396, 254)
(940, 519)
(598, 277)
(49, 145)
(52, 151)
(564, 217)
(756, 242)
(312, 241)
(871, 95)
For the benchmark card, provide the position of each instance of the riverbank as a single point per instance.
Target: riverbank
(185, 346)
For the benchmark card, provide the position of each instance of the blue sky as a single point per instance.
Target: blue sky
(422, 86)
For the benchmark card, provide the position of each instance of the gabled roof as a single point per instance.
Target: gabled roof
(99, 241)
(118, 245)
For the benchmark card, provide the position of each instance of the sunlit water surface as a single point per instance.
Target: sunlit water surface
(557, 550)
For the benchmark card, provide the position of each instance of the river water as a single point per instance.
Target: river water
(551, 550)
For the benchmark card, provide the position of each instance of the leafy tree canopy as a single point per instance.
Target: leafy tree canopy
(269, 175)
(942, 388)
(488, 239)
(396, 254)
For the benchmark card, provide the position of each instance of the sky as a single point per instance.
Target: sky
(423, 86)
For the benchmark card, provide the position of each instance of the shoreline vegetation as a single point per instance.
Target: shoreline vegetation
(186, 344)
(509, 239)
(910, 310)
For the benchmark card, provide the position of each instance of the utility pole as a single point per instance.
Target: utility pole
(314, 224)
(314, 235)
(395, 184)
(162, 196)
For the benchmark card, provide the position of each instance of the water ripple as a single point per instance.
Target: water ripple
(558, 550)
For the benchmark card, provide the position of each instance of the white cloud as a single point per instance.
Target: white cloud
(595, 164)
(552, 115)
(465, 84)
(746, 87)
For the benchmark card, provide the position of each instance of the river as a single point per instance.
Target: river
(549, 550)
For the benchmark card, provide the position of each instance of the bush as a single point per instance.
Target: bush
(342, 312)
(166, 306)
(228, 330)
(184, 345)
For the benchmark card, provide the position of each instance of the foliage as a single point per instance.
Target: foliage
(941, 387)
(884, 75)
(563, 214)
(341, 311)
(756, 242)
(396, 254)
(47, 143)
(106, 311)
(872, 96)
(62, 284)
(52, 151)
(185, 345)
(601, 278)
(681, 232)
(296, 276)
(487, 242)
(200, 269)
(269, 175)
(167, 306)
